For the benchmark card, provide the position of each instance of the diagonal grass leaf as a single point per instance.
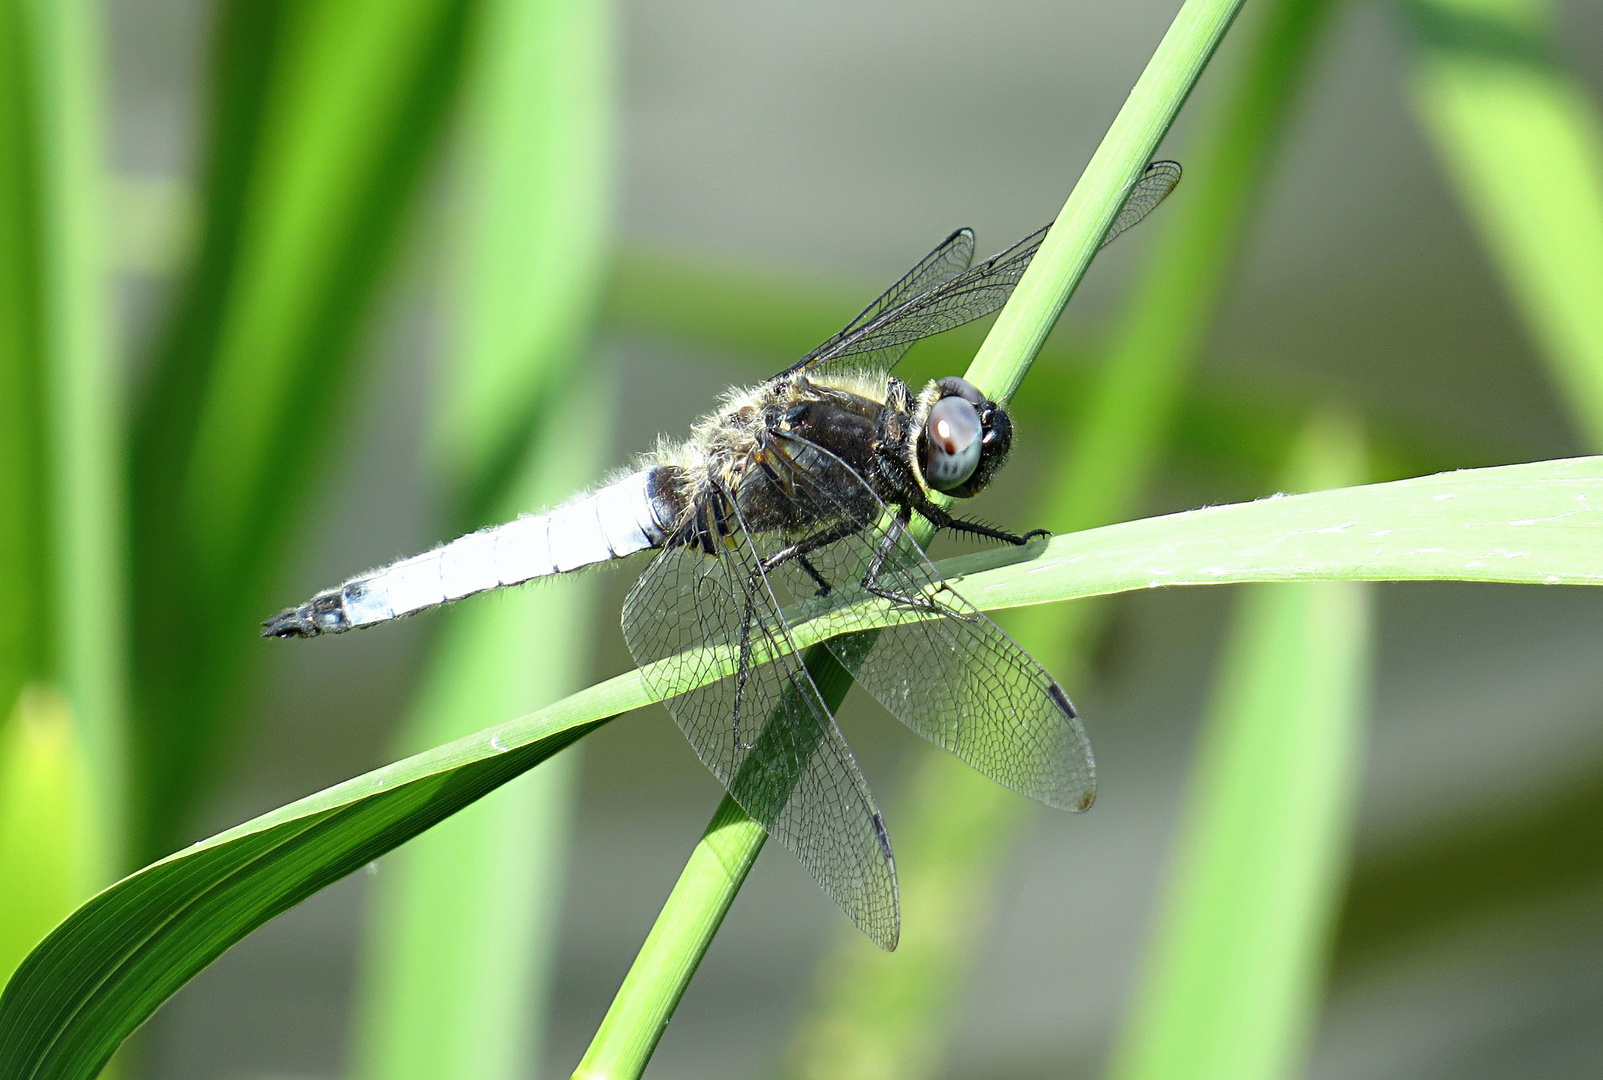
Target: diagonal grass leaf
(108, 967)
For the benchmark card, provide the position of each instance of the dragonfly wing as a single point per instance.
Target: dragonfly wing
(954, 676)
(878, 338)
(876, 345)
(949, 259)
(1150, 189)
(763, 730)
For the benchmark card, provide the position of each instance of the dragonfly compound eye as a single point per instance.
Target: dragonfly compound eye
(953, 438)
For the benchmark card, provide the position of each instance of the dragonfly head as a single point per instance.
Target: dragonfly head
(963, 438)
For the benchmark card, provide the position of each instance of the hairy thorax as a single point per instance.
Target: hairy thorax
(760, 439)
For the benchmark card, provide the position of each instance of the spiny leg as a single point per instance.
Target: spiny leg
(942, 520)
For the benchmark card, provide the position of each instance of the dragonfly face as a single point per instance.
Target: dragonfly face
(963, 440)
(802, 488)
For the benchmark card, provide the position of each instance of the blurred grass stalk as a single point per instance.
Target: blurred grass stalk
(459, 954)
(61, 664)
(48, 823)
(1522, 142)
(1235, 968)
(323, 118)
(879, 1016)
(717, 868)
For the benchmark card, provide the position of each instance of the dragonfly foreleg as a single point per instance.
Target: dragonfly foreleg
(942, 520)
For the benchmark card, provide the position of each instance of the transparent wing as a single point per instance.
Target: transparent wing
(953, 677)
(1146, 193)
(875, 346)
(764, 731)
(875, 341)
(949, 259)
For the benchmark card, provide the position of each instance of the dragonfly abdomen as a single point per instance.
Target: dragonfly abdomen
(617, 520)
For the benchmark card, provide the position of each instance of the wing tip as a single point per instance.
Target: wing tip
(1085, 795)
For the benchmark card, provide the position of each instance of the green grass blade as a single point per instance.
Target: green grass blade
(324, 119)
(1006, 355)
(672, 951)
(1131, 402)
(465, 917)
(1522, 141)
(1125, 423)
(84, 421)
(1232, 982)
(104, 970)
(538, 159)
(1533, 524)
(61, 764)
(1120, 158)
(47, 821)
(458, 955)
(27, 638)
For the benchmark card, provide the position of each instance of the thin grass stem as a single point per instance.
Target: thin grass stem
(622, 1046)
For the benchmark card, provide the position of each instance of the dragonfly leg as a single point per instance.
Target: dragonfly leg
(942, 520)
(799, 551)
(876, 568)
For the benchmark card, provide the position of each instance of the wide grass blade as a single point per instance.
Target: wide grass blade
(1521, 140)
(109, 966)
(119, 956)
(465, 918)
(323, 119)
(1232, 981)
(27, 636)
(458, 957)
(1532, 524)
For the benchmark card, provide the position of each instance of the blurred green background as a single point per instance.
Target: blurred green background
(290, 288)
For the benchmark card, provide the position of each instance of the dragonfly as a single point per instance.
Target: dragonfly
(803, 487)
